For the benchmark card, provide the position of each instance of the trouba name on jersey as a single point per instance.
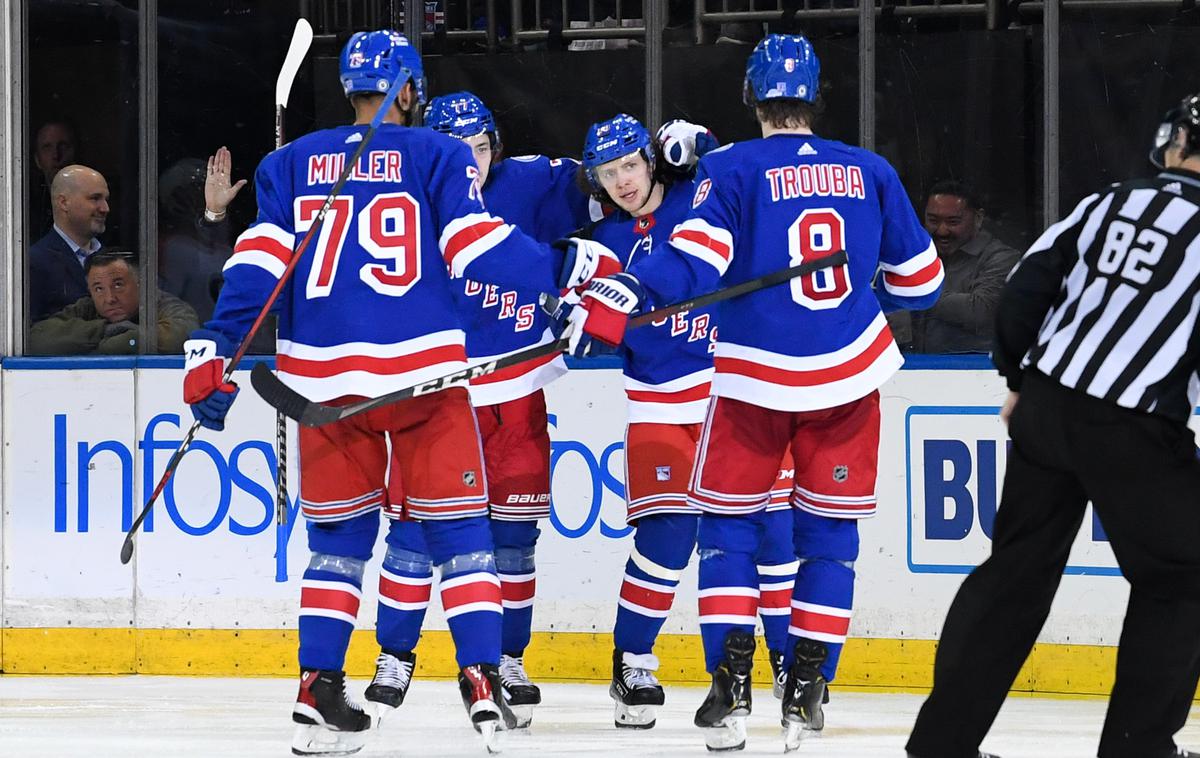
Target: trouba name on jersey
(816, 180)
(375, 166)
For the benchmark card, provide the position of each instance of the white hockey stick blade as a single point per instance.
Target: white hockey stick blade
(302, 37)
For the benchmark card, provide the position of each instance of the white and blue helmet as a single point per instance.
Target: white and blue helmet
(371, 61)
(782, 66)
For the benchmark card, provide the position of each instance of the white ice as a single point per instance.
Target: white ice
(149, 716)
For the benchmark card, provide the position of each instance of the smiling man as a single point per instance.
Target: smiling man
(105, 320)
(976, 265)
(80, 199)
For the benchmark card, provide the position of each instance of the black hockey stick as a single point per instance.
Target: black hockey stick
(384, 107)
(296, 406)
(301, 40)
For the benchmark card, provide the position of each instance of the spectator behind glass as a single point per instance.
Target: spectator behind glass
(80, 200)
(194, 230)
(53, 149)
(105, 321)
(976, 265)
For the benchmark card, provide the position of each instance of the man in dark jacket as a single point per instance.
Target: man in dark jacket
(80, 199)
(105, 321)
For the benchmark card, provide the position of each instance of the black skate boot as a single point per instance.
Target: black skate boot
(480, 687)
(804, 694)
(778, 673)
(327, 723)
(393, 675)
(520, 694)
(635, 690)
(723, 713)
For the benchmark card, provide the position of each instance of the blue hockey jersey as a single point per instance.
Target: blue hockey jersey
(539, 196)
(370, 307)
(667, 365)
(767, 204)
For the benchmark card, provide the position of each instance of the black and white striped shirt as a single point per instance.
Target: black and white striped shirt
(1106, 301)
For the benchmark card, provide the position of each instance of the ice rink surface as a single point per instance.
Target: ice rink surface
(148, 716)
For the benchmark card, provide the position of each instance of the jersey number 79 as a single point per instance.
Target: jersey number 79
(388, 229)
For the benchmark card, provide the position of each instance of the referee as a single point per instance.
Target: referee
(1097, 330)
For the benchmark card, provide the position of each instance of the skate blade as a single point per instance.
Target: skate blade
(796, 732)
(313, 739)
(377, 712)
(726, 735)
(492, 735)
(522, 717)
(635, 716)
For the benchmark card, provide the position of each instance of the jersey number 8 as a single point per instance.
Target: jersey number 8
(817, 233)
(389, 230)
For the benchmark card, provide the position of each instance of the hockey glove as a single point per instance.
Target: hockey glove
(603, 312)
(683, 143)
(584, 260)
(203, 388)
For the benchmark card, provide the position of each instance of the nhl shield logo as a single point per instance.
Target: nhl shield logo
(841, 473)
(469, 478)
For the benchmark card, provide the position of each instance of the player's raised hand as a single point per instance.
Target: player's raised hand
(603, 312)
(584, 260)
(218, 191)
(683, 143)
(204, 388)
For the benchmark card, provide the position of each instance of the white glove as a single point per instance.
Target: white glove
(684, 143)
(584, 260)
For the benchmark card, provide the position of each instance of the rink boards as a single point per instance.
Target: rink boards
(208, 593)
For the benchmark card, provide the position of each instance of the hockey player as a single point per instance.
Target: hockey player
(668, 368)
(539, 196)
(796, 366)
(369, 310)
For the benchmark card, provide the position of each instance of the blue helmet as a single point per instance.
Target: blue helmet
(461, 115)
(782, 65)
(615, 138)
(371, 61)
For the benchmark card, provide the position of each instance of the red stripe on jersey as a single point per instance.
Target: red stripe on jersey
(699, 392)
(926, 274)
(815, 377)
(469, 236)
(647, 598)
(513, 372)
(819, 622)
(404, 593)
(266, 245)
(700, 238)
(775, 598)
(474, 592)
(517, 591)
(318, 369)
(333, 600)
(728, 605)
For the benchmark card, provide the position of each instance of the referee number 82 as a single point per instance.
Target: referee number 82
(1129, 253)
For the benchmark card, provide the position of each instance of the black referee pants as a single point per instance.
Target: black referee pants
(1143, 476)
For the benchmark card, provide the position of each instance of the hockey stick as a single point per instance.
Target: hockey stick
(384, 107)
(301, 40)
(294, 405)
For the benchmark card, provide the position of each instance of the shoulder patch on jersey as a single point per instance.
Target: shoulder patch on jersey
(720, 149)
(355, 137)
(526, 158)
(1174, 188)
(806, 149)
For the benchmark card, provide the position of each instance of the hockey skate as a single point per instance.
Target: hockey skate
(635, 690)
(327, 723)
(520, 694)
(804, 694)
(480, 688)
(393, 675)
(723, 713)
(778, 673)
